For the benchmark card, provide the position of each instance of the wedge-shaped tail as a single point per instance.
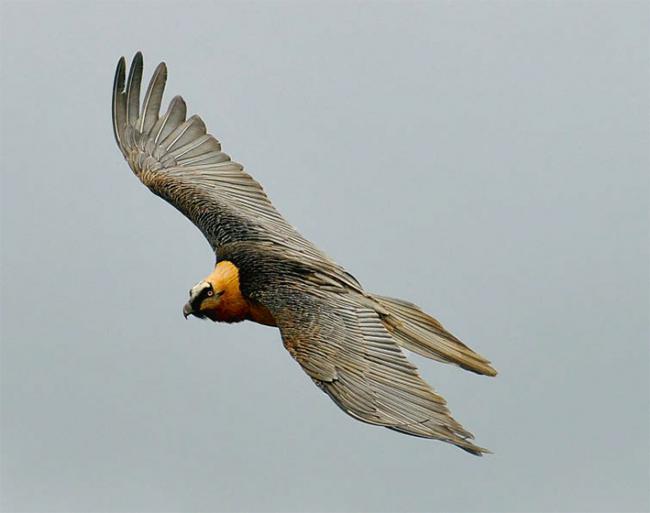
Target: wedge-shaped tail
(418, 332)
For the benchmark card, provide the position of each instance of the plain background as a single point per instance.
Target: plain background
(488, 161)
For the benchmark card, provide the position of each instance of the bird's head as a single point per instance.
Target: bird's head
(203, 300)
(217, 296)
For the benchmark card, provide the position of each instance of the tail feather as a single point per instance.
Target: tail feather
(418, 332)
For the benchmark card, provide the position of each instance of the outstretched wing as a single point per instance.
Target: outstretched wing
(344, 347)
(184, 165)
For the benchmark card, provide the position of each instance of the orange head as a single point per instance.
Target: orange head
(218, 296)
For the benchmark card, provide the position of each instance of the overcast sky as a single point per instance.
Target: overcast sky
(488, 161)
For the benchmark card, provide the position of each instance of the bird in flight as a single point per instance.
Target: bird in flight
(346, 339)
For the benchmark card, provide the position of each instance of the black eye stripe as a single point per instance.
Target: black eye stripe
(203, 294)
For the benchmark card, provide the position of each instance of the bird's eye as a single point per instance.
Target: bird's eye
(210, 293)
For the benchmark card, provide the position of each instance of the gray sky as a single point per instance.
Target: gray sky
(488, 161)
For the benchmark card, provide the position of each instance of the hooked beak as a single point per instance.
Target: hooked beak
(187, 310)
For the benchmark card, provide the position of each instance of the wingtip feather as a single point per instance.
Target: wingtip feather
(133, 89)
(153, 99)
(118, 105)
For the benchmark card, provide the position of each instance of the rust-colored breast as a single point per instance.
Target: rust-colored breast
(260, 314)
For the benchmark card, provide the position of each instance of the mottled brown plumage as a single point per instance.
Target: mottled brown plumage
(347, 340)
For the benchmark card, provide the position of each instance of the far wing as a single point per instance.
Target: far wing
(184, 165)
(344, 347)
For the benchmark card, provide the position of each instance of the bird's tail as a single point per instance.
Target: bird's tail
(418, 332)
